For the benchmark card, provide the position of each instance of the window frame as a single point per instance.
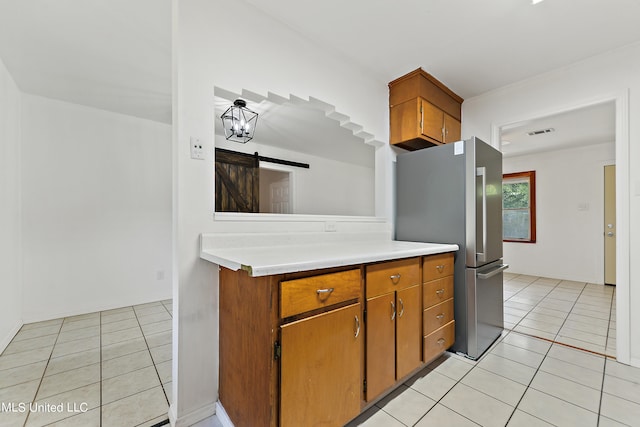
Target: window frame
(531, 177)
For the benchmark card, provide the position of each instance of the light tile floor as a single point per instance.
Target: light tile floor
(552, 366)
(109, 368)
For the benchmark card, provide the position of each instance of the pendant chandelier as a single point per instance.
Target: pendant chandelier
(239, 122)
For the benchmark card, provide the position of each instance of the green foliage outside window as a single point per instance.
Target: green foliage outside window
(518, 207)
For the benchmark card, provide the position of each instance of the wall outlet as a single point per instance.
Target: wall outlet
(197, 152)
(160, 275)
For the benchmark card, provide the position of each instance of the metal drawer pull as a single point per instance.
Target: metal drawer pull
(324, 291)
(494, 272)
(440, 316)
(440, 268)
(395, 278)
(441, 341)
(393, 310)
(357, 326)
(440, 292)
(401, 307)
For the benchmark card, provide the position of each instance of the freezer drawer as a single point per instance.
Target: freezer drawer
(485, 318)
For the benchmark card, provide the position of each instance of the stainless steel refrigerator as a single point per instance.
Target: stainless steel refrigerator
(452, 193)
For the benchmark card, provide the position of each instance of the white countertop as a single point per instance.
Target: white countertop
(277, 259)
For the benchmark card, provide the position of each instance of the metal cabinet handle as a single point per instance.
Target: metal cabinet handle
(440, 268)
(401, 307)
(324, 291)
(440, 292)
(441, 341)
(440, 316)
(357, 326)
(393, 311)
(395, 278)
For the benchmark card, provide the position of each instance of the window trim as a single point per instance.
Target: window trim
(531, 176)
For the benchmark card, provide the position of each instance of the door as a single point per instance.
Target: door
(279, 193)
(610, 225)
(452, 129)
(381, 344)
(408, 330)
(483, 171)
(432, 120)
(237, 181)
(321, 374)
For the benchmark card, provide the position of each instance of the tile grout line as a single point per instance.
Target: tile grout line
(547, 355)
(100, 343)
(42, 377)
(563, 323)
(155, 367)
(604, 368)
(476, 365)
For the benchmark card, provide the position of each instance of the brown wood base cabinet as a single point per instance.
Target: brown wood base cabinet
(317, 348)
(394, 313)
(321, 377)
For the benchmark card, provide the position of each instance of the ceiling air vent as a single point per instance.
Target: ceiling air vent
(540, 132)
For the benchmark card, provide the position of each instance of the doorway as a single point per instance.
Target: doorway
(621, 147)
(275, 191)
(610, 225)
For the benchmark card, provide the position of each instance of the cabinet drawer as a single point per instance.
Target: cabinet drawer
(438, 341)
(437, 291)
(392, 276)
(437, 316)
(310, 293)
(437, 266)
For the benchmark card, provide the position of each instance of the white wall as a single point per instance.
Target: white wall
(614, 75)
(10, 244)
(284, 63)
(96, 209)
(569, 239)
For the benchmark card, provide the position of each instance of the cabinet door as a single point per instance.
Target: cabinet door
(321, 369)
(404, 121)
(432, 119)
(408, 330)
(381, 348)
(452, 129)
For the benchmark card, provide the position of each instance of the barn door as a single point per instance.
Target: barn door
(237, 182)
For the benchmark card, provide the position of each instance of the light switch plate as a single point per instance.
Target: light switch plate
(197, 150)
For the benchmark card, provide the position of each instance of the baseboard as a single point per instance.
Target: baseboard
(191, 418)
(635, 362)
(12, 333)
(222, 415)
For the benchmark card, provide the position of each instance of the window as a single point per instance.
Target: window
(519, 207)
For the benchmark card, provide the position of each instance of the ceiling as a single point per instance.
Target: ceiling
(110, 54)
(116, 54)
(577, 128)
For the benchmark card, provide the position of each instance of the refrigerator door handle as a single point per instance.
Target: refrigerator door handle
(482, 256)
(500, 268)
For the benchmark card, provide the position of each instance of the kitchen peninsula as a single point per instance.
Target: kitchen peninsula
(317, 327)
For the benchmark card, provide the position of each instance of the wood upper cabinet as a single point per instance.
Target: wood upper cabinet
(423, 112)
(394, 322)
(321, 379)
